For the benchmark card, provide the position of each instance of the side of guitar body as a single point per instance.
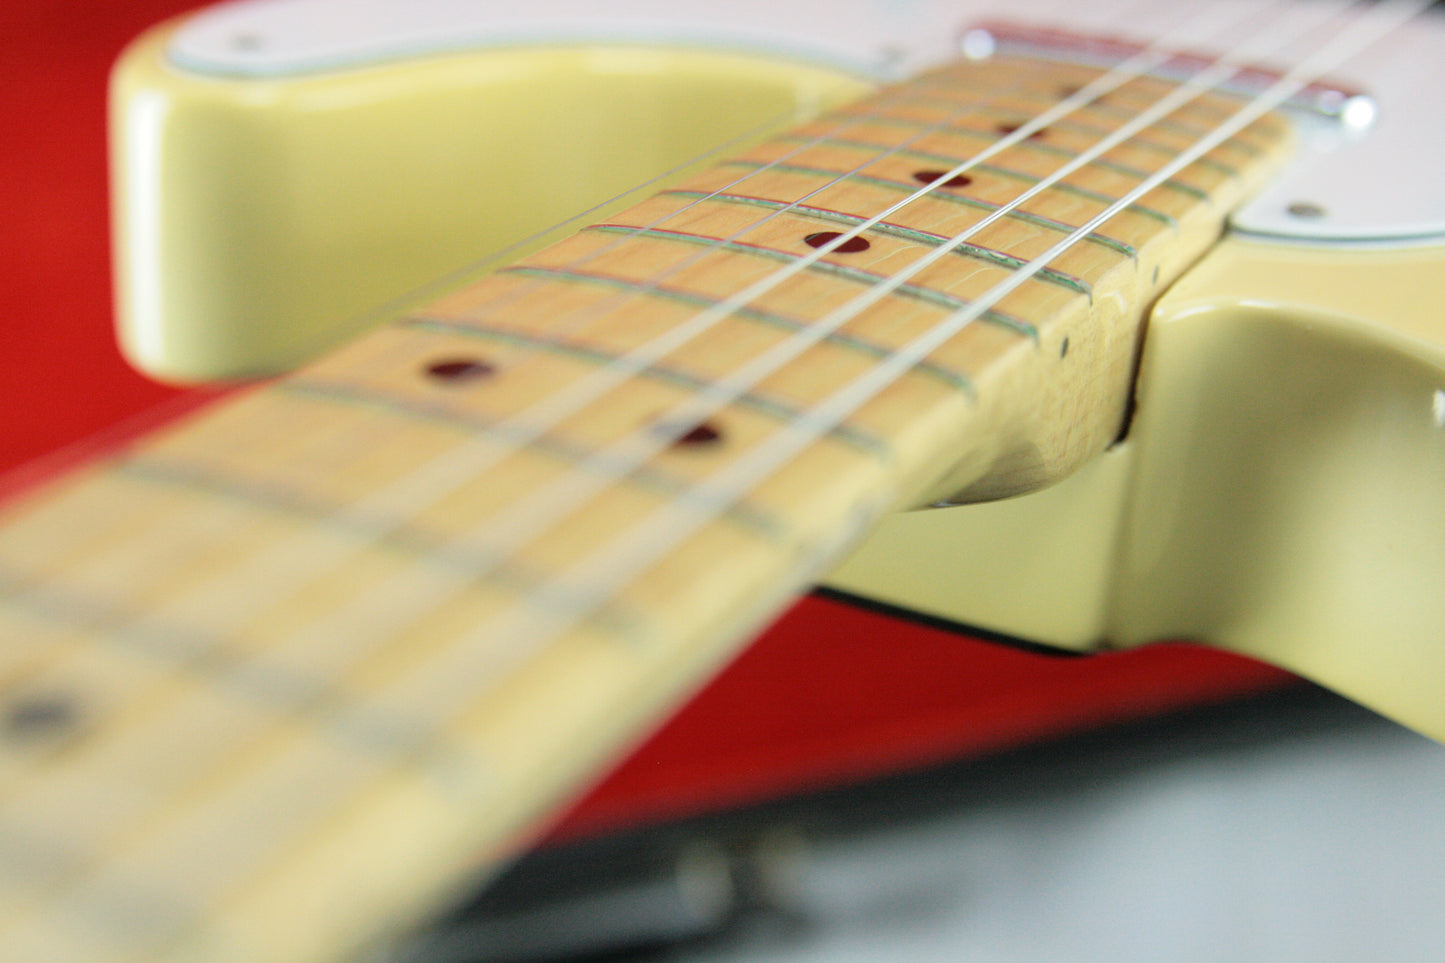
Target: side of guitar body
(1281, 492)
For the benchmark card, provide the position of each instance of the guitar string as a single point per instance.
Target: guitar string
(1083, 229)
(277, 574)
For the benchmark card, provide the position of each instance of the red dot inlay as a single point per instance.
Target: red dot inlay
(851, 246)
(937, 179)
(1007, 129)
(458, 370)
(702, 433)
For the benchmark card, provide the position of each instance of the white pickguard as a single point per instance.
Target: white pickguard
(1337, 179)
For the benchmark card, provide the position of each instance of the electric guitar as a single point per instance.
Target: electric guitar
(352, 633)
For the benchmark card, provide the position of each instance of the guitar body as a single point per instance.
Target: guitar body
(348, 175)
(1195, 527)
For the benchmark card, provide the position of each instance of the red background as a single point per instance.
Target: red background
(830, 694)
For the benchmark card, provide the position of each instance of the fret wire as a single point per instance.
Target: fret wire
(953, 197)
(774, 407)
(188, 648)
(124, 904)
(1170, 125)
(848, 399)
(1189, 129)
(695, 411)
(977, 252)
(852, 342)
(857, 275)
(1022, 134)
(384, 532)
(1061, 186)
(870, 115)
(501, 430)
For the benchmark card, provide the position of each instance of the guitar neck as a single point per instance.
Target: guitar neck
(285, 675)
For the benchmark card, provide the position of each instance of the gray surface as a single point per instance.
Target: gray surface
(1321, 845)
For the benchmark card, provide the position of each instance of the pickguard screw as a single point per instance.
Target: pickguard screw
(1307, 210)
(977, 44)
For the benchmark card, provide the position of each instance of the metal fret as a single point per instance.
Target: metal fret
(902, 232)
(946, 195)
(572, 454)
(666, 292)
(924, 109)
(855, 275)
(936, 158)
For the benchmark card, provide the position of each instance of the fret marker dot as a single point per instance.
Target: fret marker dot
(1006, 129)
(851, 246)
(937, 179)
(39, 715)
(459, 370)
(699, 435)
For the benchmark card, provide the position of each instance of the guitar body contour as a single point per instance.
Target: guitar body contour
(1281, 492)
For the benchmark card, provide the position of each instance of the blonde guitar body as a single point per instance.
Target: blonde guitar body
(351, 639)
(1280, 492)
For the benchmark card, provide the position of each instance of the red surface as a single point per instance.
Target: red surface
(832, 694)
(829, 694)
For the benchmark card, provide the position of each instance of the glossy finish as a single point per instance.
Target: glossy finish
(284, 167)
(1281, 492)
(258, 222)
(877, 38)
